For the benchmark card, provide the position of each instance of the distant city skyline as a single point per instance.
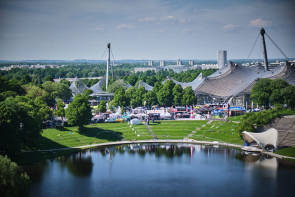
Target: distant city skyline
(146, 29)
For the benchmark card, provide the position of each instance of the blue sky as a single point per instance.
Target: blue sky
(143, 29)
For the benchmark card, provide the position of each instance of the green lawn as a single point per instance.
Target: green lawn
(175, 129)
(219, 131)
(143, 132)
(287, 152)
(92, 134)
(236, 118)
(108, 132)
(198, 130)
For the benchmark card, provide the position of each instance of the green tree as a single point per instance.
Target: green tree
(79, 111)
(31, 114)
(151, 98)
(261, 92)
(9, 88)
(26, 79)
(189, 97)
(164, 95)
(6, 94)
(20, 123)
(48, 78)
(102, 106)
(44, 112)
(288, 94)
(132, 80)
(177, 95)
(130, 93)
(9, 127)
(120, 98)
(277, 86)
(66, 82)
(138, 98)
(13, 181)
(60, 109)
(56, 90)
(63, 91)
(34, 91)
(157, 87)
(87, 92)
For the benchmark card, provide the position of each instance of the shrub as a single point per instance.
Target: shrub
(13, 181)
(253, 120)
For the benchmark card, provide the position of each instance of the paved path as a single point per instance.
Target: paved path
(277, 155)
(151, 132)
(188, 141)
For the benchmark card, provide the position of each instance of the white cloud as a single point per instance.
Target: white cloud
(259, 23)
(163, 19)
(167, 18)
(146, 19)
(125, 26)
(100, 28)
(230, 27)
(187, 30)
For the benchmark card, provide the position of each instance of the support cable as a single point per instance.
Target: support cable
(253, 46)
(103, 55)
(277, 46)
(113, 62)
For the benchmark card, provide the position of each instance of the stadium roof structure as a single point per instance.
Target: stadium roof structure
(97, 89)
(234, 80)
(146, 86)
(121, 83)
(194, 84)
(78, 87)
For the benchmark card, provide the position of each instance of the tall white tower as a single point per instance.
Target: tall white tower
(222, 58)
(178, 62)
(191, 62)
(150, 63)
(108, 64)
(162, 63)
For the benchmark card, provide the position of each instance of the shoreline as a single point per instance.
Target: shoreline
(187, 141)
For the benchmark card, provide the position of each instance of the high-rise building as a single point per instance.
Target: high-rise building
(222, 58)
(150, 63)
(162, 63)
(178, 62)
(191, 62)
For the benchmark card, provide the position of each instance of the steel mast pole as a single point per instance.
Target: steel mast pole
(262, 32)
(108, 64)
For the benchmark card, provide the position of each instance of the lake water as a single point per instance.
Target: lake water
(162, 170)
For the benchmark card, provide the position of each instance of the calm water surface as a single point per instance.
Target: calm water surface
(162, 170)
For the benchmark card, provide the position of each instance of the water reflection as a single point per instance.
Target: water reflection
(165, 169)
(36, 171)
(168, 151)
(255, 161)
(79, 164)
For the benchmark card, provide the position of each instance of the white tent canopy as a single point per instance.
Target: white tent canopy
(268, 137)
(135, 121)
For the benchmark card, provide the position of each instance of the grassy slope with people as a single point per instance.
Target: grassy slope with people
(287, 151)
(91, 134)
(222, 131)
(108, 132)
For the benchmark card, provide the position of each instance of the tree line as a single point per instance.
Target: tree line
(267, 92)
(166, 94)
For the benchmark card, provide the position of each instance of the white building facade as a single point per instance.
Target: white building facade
(222, 58)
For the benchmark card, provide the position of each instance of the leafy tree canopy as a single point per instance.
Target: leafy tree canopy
(13, 181)
(79, 111)
(102, 106)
